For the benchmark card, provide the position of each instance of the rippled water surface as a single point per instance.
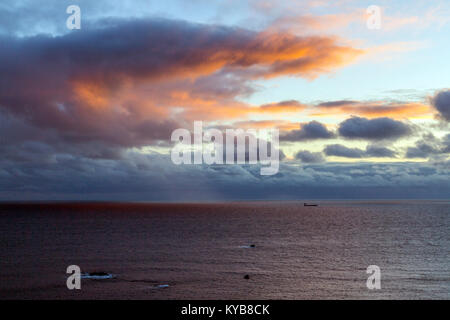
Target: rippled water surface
(202, 251)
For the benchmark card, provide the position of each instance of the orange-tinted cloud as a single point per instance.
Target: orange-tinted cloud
(131, 82)
(266, 124)
(289, 106)
(281, 54)
(374, 109)
(308, 23)
(92, 94)
(195, 107)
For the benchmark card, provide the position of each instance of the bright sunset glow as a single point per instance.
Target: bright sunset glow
(81, 107)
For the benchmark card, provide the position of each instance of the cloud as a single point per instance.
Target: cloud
(379, 152)
(441, 102)
(429, 147)
(337, 103)
(446, 144)
(309, 131)
(340, 22)
(421, 150)
(371, 151)
(283, 106)
(262, 124)
(76, 105)
(314, 24)
(129, 83)
(310, 157)
(391, 23)
(374, 129)
(339, 150)
(374, 109)
(154, 177)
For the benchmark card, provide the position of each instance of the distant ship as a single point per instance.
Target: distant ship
(310, 204)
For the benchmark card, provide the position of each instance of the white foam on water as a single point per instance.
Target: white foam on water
(97, 277)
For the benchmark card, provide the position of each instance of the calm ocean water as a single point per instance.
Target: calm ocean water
(201, 250)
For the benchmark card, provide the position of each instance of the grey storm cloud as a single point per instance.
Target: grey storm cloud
(249, 149)
(421, 150)
(379, 152)
(339, 150)
(309, 131)
(148, 177)
(309, 157)
(337, 103)
(373, 129)
(429, 147)
(446, 143)
(441, 102)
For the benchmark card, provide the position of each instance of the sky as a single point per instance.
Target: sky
(87, 114)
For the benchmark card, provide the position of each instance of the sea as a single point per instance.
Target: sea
(205, 250)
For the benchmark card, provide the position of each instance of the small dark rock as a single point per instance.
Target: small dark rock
(246, 277)
(252, 246)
